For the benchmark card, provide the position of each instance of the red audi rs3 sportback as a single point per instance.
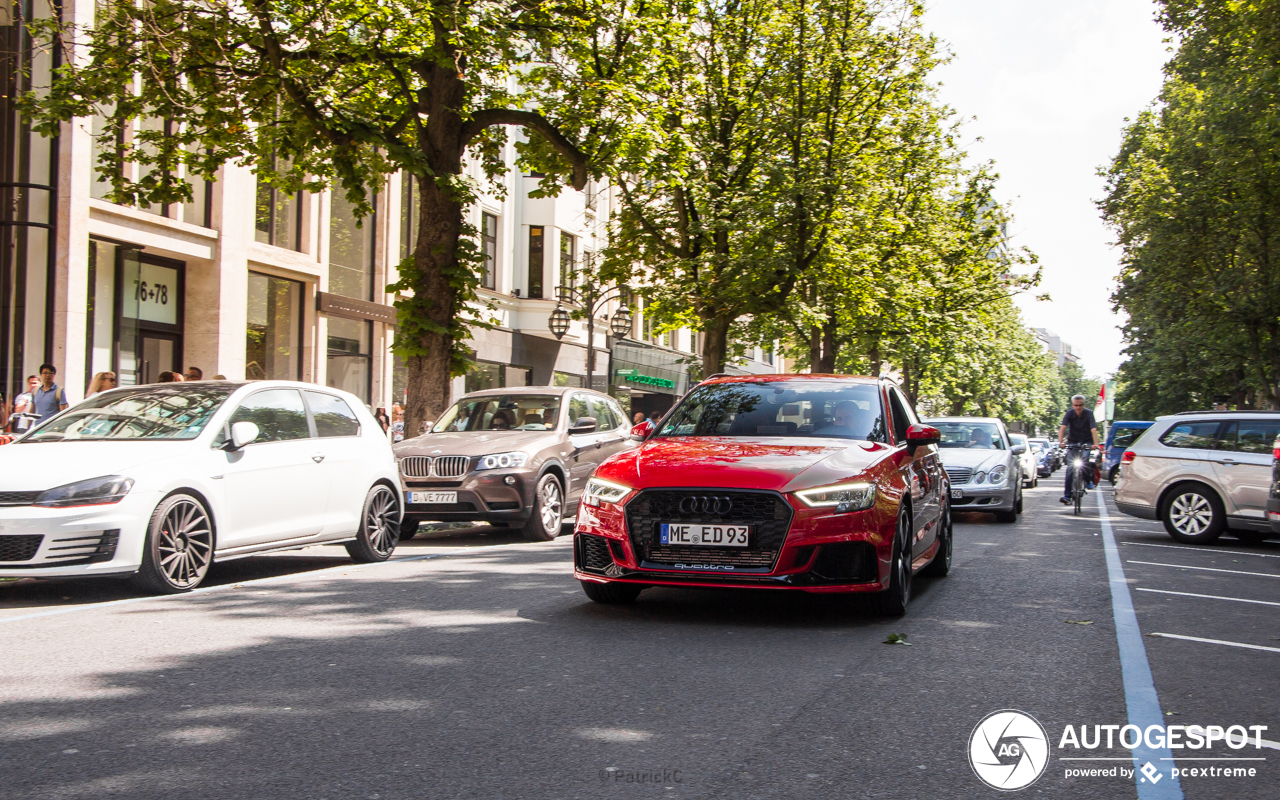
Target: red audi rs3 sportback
(820, 483)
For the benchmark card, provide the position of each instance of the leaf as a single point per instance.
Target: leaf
(897, 638)
(1078, 621)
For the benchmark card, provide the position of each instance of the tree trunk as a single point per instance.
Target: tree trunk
(715, 344)
(827, 364)
(435, 257)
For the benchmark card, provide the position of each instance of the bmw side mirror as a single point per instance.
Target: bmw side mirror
(583, 425)
(643, 431)
(921, 436)
(242, 433)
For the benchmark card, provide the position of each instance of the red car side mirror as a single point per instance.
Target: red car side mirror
(920, 435)
(643, 430)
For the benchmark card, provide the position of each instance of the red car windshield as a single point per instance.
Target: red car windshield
(807, 408)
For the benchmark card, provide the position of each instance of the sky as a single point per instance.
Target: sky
(1046, 88)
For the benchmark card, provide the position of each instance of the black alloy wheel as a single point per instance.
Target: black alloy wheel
(544, 522)
(941, 563)
(612, 594)
(379, 527)
(892, 602)
(179, 547)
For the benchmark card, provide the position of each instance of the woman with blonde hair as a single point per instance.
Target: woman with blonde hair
(101, 382)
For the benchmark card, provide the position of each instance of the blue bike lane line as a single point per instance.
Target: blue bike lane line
(1139, 686)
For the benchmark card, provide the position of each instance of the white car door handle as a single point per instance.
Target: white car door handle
(317, 458)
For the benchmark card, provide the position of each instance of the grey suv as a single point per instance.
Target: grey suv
(1202, 473)
(516, 457)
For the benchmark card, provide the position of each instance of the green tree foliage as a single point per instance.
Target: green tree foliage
(311, 94)
(1194, 197)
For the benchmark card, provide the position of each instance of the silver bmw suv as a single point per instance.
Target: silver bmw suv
(1202, 473)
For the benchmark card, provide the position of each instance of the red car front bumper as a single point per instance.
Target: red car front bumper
(817, 550)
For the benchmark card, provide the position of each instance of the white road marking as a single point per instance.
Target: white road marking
(1211, 597)
(1216, 641)
(1206, 569)
(1201, 549)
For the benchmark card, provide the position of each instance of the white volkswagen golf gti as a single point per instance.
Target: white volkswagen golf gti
(159, 481)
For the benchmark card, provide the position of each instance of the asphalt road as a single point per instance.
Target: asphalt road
(474, 667)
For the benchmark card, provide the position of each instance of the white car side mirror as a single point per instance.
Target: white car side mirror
(242, 433)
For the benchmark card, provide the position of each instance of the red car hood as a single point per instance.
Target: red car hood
(776, 464)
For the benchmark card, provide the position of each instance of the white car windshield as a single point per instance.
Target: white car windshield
(171, 411)
(810, 408)
(506, 412)
(969, 435)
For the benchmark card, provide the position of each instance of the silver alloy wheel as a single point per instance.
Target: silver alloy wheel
(185, 544)
(381, 523)
(552, 506)
(1191, 513)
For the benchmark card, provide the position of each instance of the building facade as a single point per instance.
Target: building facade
(247, 282)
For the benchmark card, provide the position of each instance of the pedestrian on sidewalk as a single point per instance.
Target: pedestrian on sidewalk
(381, 416)
(170, 377)
(48, 398)
(22, 403)
(101, 382)
(195, 374)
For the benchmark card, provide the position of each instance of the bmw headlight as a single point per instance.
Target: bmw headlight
(93, 492)
(841, 496)
(997, 475)
(503, 461)
(600, 491)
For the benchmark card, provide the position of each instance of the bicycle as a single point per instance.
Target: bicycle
(1078, 462)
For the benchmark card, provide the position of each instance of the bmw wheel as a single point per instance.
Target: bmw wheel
(548, 510)
(892, 602)
(179, 546)
(379, 527)
(1193, 514)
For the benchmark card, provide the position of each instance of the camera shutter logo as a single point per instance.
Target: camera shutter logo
(1008, 750)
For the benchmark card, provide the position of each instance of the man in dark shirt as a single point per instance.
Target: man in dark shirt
(1078, 428)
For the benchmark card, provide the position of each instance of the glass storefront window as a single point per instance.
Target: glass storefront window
(350, 250)
(566, 379)
(536, 255)
(101, 308)
(278, 216)
(408, 215)
(350, 357)
(484, 376)
(568, 268)
(273, 340)
(489, 249)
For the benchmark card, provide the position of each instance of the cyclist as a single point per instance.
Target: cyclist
(1078, 432)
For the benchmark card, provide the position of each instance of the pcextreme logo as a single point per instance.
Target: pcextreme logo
(1008, 750)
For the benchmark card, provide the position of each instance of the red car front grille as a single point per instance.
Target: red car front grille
(768, 514)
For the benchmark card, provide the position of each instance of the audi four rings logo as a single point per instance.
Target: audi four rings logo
(706, 504)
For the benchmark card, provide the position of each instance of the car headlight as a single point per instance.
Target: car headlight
(93, 492)
(503, 461)
(997, 475)
(980, 477)
(841, 496)
(600, 491)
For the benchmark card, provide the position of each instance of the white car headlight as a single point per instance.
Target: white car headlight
(93, 492)
(997, 475)
(600, 491)
(980, 477)
(503, 461)
(840, 496)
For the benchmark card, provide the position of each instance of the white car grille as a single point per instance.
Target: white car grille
(959, 475)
